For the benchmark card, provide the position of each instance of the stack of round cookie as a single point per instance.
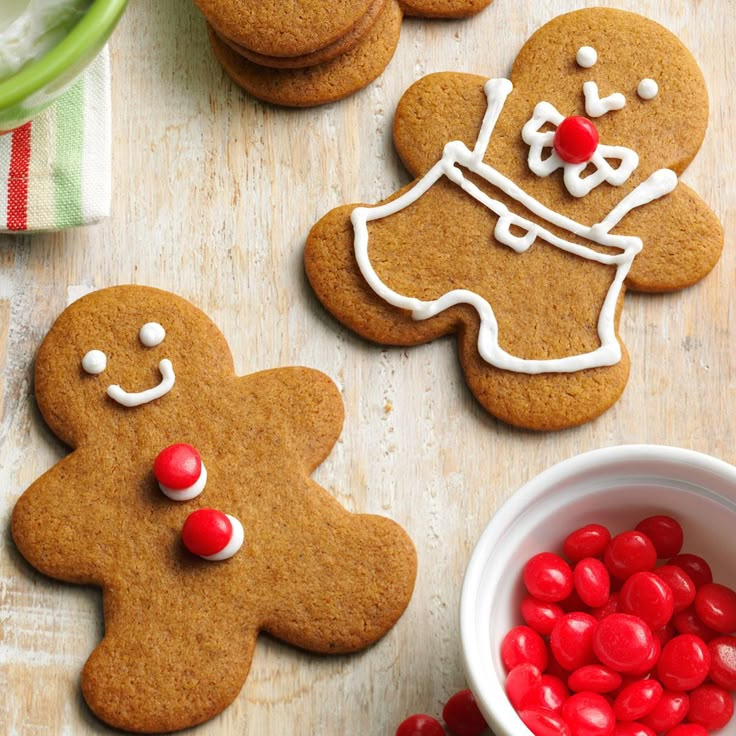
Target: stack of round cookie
(308, 52)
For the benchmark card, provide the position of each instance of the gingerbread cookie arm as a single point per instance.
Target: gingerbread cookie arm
(683, 242)
(443, 8)
(333, 272)
(435, 110)
(165, 664)
(350, 582)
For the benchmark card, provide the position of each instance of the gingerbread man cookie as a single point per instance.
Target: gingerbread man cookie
(187, 499)
(540, 199)
(312, 52)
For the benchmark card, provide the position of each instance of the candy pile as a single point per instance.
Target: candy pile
(460, 714)
(615, 646)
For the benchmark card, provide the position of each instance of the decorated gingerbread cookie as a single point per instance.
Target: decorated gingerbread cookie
(308, 53)
(187, 499)
(540, 200)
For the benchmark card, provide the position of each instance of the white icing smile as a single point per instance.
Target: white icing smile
(151, 394)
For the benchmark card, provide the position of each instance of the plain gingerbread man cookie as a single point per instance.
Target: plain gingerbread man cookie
(126, 372)
(539, 201)
(314, 51)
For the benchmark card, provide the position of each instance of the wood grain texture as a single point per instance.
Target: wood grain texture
(214, 194)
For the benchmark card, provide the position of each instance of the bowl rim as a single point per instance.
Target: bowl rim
(97, 23)
(520, 500)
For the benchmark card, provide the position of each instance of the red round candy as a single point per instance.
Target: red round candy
(723, 661)
(637, 700)
(178, 467)
(710, 707)
(633, 729)
(572, 640)
(716, 607)
(665, 532)
(696, 567)
(669, 712)
(576, 140)
(522, 645)
(687, 729)
(589, 714)
(609, 607)
(623, 642)
(550, 694)
(647, 596)
(592, 582)
(462, 715)
(588, 541)
(594, 678)
(206, 532)
(548, 577)
(629, 552)
(684, 663)
(544, 723)
(681, 585)
(540, 616)
(520, 681)
(687, 622)
(420, 725)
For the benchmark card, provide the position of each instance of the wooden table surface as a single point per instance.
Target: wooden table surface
(213, 196)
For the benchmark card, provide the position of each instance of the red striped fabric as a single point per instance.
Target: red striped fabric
(20, 159)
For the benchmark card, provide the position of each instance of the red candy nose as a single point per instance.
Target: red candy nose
(206, 532)
(178, 467)
(576, 140)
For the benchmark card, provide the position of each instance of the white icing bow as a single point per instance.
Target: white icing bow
(577, 185)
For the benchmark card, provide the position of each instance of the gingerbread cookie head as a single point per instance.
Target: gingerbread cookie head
(188, 500)
(112, 357)
(541, 199)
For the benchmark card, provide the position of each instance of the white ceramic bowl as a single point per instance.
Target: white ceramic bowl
(617, 487)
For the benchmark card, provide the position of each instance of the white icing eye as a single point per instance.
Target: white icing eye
(152, 334)
(586, 57)
(648, 89)
(94, 362)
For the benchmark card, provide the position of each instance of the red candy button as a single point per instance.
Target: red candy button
(522, 645)
(576, 140)
(550, 694)
(647, 596)
(548, 577)
(687, 729)
(572, 640)
(669, 712)
(696, 567)
(629, 552)
(710, 707)
(687, 622)
(633, 729)
(681, 585)
(594, 678)
(539, 615)
(520, 681)
(543, 723)
(178, 467)
(206, 532)
(588, 541)
(684, 663)
(420, 725)
(723, 661)
(462, 715)
(589, 714)
(716, 607)
(637, 700)
(592, 582)
(623, 642)
(665, 532)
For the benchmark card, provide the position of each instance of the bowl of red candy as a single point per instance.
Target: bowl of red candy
(601, 599)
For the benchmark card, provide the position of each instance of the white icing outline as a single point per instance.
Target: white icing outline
(457, 154)
(94, 362)
(236, 542)
(188, 493)
(576, 185)
(151, 334)
(648, 89)
(586, 57)
(130, 400)
(596, 106)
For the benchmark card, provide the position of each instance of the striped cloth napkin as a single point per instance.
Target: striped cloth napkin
(55, 171)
